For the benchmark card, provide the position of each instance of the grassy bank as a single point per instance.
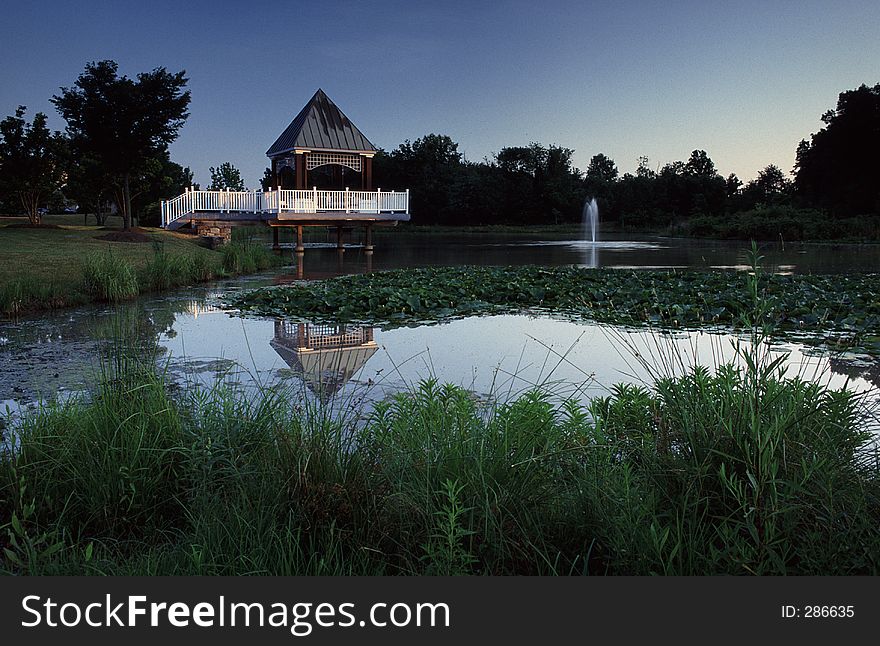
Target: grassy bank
(52, 268)
(735, 471)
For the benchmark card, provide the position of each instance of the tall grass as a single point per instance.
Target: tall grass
(20, 295)
(739, 469)
(246, 256)
(109, 277)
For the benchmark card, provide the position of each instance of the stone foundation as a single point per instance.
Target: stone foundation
(216, 234)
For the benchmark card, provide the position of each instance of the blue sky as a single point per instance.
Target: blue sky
(743, 80)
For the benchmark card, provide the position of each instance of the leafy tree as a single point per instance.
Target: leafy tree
(89, 186)
(644, 169)
(266, 180)
(541, 181)
(226, 176)
(700, 165)
(428, 167)
(732, 185)
(770, 188)
(32, 162)
(123, 123)
(838, 168)
(602, 168)
(162, 179)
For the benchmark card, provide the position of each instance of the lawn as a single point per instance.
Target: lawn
(56, 254)
(54, 267)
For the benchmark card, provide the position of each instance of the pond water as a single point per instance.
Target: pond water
(495, 356)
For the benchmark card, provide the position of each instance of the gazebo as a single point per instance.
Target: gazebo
(321, 175)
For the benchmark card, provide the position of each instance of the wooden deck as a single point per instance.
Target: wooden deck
(281, 206)
(245, 218)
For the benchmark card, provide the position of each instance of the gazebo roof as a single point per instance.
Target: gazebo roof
(321, 125)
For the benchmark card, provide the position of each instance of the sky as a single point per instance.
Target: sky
(743, 80)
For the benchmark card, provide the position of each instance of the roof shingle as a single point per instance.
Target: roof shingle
(321, 125)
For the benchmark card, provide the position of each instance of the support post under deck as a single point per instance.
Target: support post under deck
(368, 238)
(276, 244)
(299, 239)
(339, 242)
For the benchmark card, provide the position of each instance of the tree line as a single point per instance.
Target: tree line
(836, 172)
(114, 151)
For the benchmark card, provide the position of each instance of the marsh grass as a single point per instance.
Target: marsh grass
(246, 255)
(735, 469)
(110, 275)
(22, 294)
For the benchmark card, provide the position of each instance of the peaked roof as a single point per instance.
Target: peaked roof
(321, 125)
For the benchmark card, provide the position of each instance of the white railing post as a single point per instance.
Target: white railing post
(278, 201)
(406, 203)
(378, 200)
(315, 197)
(347, 200)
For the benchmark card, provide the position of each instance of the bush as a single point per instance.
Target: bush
(781, 222)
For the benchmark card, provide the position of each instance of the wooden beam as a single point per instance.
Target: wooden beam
(299, 169)
(368, 173)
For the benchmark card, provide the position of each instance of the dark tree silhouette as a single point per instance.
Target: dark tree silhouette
(839, 167)
(32, 162)
(123, 123)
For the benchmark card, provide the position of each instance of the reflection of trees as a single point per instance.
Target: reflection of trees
(327, 356)
(857, 369)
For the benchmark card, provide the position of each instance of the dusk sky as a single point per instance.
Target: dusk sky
(745, 81)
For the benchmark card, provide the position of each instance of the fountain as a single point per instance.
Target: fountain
(591, 218)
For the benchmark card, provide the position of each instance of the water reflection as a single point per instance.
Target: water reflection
(325, 356)
(41, 356)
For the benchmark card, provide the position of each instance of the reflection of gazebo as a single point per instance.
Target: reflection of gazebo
(326, 355)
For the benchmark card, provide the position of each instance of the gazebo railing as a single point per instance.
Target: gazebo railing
(285, 201)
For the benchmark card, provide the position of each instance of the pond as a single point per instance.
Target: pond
(494, 356)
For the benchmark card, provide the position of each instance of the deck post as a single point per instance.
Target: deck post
(299, 239)
(368, 238)
(276, 242)
(339, 242)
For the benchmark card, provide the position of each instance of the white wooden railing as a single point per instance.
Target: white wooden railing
(284, 201)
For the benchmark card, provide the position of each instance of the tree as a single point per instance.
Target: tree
(162, 179)
(541, 181)
(123, 123)
(266, 180)
(32, 161)
(771, 187)
(838, 168)
(226, 176)
(602, 169)
(90, 187)
(700, 165)
(428, 166)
